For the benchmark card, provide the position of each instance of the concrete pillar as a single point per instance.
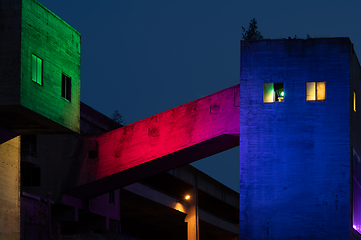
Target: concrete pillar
(192, 218)
(10, 189)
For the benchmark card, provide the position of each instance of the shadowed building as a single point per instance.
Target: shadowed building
(299, 140)
(154, 208)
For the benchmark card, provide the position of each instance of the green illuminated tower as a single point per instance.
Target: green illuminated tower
(39, 70)
(39, 91)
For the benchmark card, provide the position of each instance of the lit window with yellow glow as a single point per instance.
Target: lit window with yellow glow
(37, 69)
(315, 91)
(273, 92)
(354, 101)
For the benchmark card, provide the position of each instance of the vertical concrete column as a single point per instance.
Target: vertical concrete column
(192, 218)
(10, 189)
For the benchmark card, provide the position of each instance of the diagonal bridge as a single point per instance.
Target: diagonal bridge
(165, 141)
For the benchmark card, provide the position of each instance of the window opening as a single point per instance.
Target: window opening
(112, 197)
(66, 87)
(37, 69)
(315, 91)
(31, 176)
(273, 92)
(28, 145)
(354, 101)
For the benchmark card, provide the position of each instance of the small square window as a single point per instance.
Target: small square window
(66, 87)
(315, 91)
(273, 92)
(37, 69)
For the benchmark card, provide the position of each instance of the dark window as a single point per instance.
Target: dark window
(30, 176)
(66, 87)
(28, 145)
(112, 197)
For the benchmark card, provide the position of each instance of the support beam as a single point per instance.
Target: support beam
(159, 143)
(192, 218)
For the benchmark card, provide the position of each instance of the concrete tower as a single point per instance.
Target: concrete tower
(39, 70)
(39, 91)
(299, 131)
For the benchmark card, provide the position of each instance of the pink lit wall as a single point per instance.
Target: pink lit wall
(159, 143)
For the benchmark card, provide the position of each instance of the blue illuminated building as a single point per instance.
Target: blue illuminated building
(300, 173)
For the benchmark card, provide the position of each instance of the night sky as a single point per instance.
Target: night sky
(144, 57)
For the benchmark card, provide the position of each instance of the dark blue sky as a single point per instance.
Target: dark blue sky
(144, 57)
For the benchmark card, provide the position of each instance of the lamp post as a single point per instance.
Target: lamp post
(192, 217)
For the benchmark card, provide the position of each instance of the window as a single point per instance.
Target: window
(315, 91)
(273, 92)
(28, 145)
(112, 197)
(66, 87)
(37, 69)
(30, 176)
(354, 101)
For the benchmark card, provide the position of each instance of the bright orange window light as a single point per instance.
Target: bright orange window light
(354, 101)
(315, 91)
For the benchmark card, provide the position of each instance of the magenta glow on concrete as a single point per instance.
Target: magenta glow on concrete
(170, 139)
(356, 179)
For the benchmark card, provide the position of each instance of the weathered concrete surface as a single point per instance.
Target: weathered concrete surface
(295, 155)
(26, 28)
(10, 189)
(159, 143)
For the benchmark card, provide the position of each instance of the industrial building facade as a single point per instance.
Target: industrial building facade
(295, 116)
(40, 101)
(300, 139)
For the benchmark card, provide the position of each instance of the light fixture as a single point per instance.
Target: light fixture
(187, 197)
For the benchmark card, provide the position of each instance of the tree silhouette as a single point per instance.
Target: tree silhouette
(117, 117)
(252, 33)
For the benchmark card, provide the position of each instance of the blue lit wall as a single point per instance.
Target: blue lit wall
(295, 166)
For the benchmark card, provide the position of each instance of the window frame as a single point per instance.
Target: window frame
(313, 95)
(37, 66)
(270, 90)
(66, 87)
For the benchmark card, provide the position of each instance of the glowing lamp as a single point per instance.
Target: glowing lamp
(187, 197)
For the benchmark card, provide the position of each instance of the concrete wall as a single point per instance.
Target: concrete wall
(355, 136)
(26, 28)
(295, 155)
(34, 217)
(159, 143)
(10, 189)
(58, 44)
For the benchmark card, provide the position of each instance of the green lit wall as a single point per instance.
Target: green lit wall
(27, 28)
(58, 44)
